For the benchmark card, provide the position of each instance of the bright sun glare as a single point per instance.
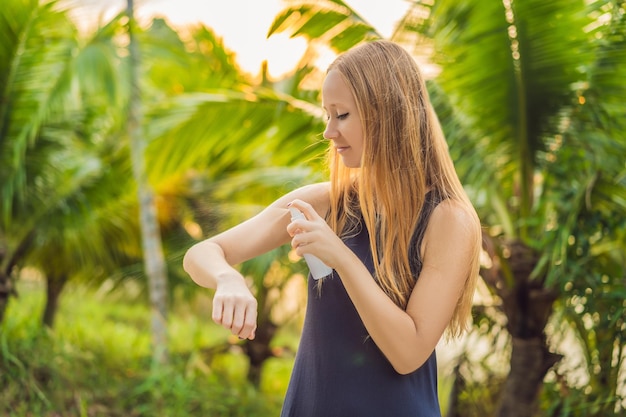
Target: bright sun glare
(243, 25)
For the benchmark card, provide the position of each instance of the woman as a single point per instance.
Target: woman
(371, 327)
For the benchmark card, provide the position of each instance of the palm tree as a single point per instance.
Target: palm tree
(39, 178)
(154, 262)
(72, 216)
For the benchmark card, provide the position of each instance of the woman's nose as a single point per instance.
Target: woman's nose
(330, 132)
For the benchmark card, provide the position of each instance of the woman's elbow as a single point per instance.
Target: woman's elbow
(192, 259)
(407, 366)
(404, 369)
(188, 259)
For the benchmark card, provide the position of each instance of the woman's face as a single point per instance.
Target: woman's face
(343, 124)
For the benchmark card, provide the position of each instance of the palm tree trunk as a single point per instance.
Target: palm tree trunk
(527, 305)
(258, 350)
(154, 262)
(8, 266)
(6, 289)
(54, 286)
(530, 361)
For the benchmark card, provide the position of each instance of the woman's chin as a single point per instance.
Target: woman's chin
(350, 162)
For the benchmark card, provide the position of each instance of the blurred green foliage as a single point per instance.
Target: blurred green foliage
(97, 362)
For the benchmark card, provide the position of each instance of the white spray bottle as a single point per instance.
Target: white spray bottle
(318, 268)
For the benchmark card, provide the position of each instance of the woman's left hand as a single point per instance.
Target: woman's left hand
(313, 235)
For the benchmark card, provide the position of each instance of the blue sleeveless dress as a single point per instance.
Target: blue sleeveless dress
(339, 371)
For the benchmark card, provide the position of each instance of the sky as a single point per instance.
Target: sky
(243, 24)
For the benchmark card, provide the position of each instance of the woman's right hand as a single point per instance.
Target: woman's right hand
(235, 308)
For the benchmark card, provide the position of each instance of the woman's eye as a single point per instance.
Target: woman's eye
(342, 116)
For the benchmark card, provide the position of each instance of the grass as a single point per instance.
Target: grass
(96, 362)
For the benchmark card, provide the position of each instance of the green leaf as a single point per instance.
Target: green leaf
(332, 22)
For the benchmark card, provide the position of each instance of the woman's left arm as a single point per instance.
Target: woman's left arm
(406, 337)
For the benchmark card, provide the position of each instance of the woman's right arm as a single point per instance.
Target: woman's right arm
(210, 262)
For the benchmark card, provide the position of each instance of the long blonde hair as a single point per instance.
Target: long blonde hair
(405, 155)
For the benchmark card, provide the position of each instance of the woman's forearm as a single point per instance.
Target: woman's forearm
(206, 264)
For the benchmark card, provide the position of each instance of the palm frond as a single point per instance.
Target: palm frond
(509, 70)
(331, 22)
(225, 130)
(36, 42)
(604, 95)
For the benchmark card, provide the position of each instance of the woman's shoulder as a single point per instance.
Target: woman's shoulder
(316, 194)
(453, 232)
(318, 189)
(453, 217)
